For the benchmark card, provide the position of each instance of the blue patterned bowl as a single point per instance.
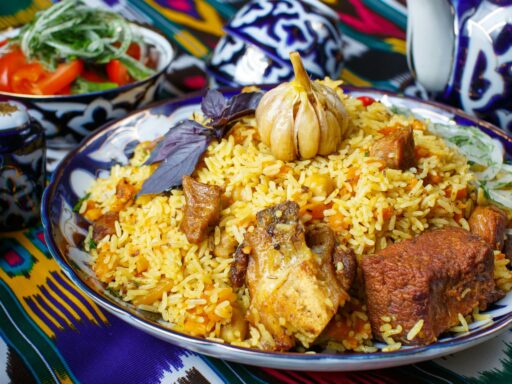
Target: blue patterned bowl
(66, 120)
(263, 33)
(64, 230)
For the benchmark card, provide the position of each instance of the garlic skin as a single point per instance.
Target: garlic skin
(301, 119)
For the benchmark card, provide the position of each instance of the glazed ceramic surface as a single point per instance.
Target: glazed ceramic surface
(65, 230)
(463, 50)
(68, 119)
(22, 168)
(262, 34)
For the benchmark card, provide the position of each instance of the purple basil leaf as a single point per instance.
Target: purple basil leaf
(171, 171)
(185, 132)
(238, 106)
(213, 104)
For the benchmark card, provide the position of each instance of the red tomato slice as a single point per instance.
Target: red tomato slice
(26, 76)
(366, 100)
(61, 78)
(4, 42)
(9, 63)
(117, 72)
(91, 75)
(134, 51)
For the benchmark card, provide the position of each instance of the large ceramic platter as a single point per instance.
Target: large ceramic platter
(114, 143)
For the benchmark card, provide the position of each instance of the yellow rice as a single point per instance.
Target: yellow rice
(369, 209)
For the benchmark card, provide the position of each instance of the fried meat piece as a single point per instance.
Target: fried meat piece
(238, 269)
(320, 238)
(202, 209)
(396, 149)
(124, 190)
(490, 223)
(105, 225)
(294, 292)
(345, 264)
(434, 277)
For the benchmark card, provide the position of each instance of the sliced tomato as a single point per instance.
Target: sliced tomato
(56, 81)
(66, 90)
(366, 100)
(117, 72)
(91, 75)
(134, 51)
(26, 76)
(9, 63)
(3, 42)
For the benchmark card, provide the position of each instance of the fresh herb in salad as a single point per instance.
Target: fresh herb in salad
(69, 46)
(482, 151)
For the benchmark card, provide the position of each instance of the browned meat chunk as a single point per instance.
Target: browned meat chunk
(346, 266)
(507, 248)
(396, 149)
(238, 269)
(202, 209)
(104, 226)
(490, 223)
(124, 190)
(433, 278)
(294, 293)
(321, 240)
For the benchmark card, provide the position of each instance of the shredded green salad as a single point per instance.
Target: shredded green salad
(486, 155)
(72, 30)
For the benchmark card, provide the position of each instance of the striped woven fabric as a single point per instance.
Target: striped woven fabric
(51, 332)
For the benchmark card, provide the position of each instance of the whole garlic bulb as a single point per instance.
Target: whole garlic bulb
(302, 118)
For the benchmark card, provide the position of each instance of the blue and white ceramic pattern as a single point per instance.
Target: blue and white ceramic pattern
(64, 231)
(68, 119)
(263, 33)
(22, 167)
(462, 49)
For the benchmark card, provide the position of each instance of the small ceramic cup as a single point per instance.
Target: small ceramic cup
(22, 167)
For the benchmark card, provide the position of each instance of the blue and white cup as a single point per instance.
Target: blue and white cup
(22, 167)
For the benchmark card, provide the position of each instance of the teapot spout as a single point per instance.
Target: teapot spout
(431, 42)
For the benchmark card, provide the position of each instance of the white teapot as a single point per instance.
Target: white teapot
(462, 51)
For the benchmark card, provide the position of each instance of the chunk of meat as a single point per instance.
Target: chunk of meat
(396, 149)
(490, 223)
(124, 190)
(320, 238)
(105, 225)
(202, 209)
(294, 292)
(345, 264)
(433, 278)
(507, 248)
(238, 269)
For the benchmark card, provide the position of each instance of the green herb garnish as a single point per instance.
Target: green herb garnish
(92, 244)
(84, 86)
(77, 206)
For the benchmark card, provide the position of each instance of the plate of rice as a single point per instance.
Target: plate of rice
(230, 238)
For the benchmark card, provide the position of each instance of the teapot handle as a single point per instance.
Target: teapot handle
(431, 42)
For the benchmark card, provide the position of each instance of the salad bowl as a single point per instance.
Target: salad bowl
(65, 231)
(67, 119)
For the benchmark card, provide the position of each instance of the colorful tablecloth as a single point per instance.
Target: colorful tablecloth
(51, 332)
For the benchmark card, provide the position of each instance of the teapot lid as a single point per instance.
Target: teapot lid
(12, 115)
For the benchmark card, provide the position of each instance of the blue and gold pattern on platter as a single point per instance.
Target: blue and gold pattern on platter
(261, 35)
(64, 230)
(22, 168)
(68, 119)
